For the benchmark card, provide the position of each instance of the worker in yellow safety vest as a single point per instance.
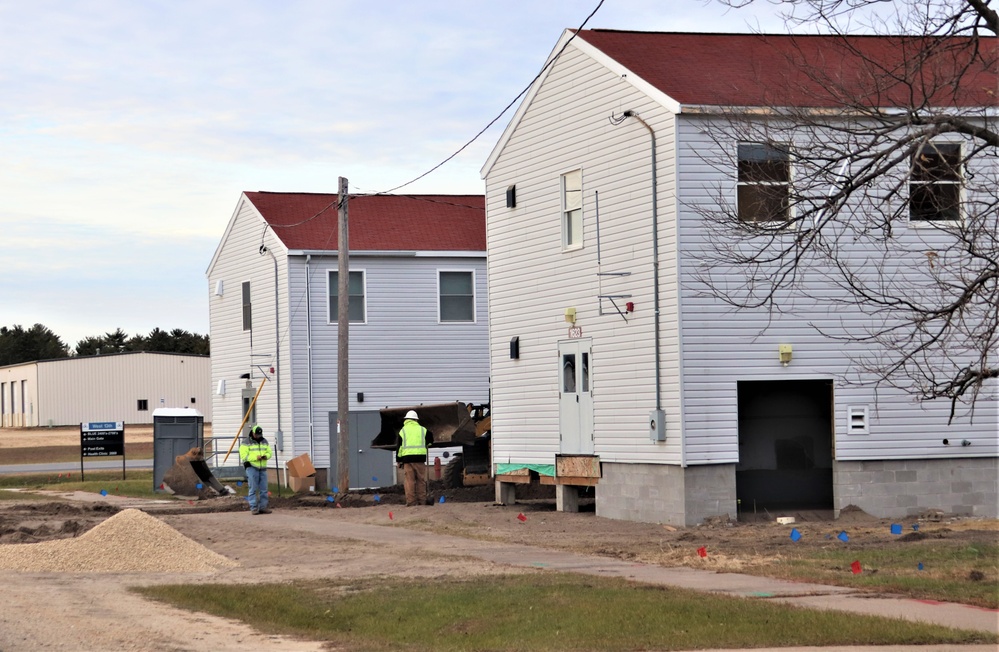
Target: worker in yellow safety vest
(412, 458)
(254, 453)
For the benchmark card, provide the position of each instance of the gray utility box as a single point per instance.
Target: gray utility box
(175, 431)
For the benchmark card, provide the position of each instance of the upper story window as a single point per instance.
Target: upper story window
(456, 296)
(764, 185)
(355, 296)
(572, 209)
(247, 307)
(935, 183)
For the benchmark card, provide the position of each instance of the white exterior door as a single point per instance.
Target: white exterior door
(575, 399)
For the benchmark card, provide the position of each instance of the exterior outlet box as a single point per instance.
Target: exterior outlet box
(657, 425)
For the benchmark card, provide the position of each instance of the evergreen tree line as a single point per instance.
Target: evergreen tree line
(18, 344)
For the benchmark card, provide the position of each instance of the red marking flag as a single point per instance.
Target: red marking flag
(521, 517)
(702, 551)
(855, 567)
(390, 516)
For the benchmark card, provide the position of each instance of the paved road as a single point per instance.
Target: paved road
(88, 465)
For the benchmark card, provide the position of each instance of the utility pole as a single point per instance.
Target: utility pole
(343, 323)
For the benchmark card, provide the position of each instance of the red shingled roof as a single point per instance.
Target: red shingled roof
(768, 70)
(377, 222)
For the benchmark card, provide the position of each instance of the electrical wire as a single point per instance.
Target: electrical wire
(507, 108)
(329, 239)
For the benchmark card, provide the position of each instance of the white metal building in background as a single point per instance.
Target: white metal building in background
(418, 322)
(115, 387)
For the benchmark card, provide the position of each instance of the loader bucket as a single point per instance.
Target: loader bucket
(451, 424)
(190, 470)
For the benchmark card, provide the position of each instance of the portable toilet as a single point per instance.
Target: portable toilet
(175, 432)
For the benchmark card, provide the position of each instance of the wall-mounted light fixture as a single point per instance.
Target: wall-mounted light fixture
(570, 315)
(785, 353)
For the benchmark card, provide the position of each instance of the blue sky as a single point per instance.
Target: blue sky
(128, 129)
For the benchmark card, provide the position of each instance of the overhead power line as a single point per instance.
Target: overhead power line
(505, 109)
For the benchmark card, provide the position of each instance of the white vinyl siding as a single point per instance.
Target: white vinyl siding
(723, 345)
(533, 281)
(402, 356)
(236, 352)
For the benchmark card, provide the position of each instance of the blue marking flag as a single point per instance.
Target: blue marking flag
(795, 535)
(374, 479)
(920, 566)
(896, 528)
(442, 500)
(378, 498)
(199, 486)
(915, 526)
(104, 492)
(329, 499)
(336, 490)
(843, 536)
(239, 483)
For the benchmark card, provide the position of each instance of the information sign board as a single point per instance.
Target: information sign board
(102, 439)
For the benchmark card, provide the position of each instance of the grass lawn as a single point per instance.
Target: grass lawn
(542, 611)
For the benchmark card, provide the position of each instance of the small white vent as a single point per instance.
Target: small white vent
(857, 420)
(219, 288)
(220, 390)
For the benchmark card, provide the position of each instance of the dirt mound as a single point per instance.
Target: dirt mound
(854, 514)
(34, 522)
(128, 542)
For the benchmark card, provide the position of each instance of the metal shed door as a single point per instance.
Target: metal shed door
(368, 467)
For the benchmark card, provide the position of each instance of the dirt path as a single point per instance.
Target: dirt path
(97, 612)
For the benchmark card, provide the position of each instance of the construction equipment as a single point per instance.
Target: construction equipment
(190, 476)
(451, 424)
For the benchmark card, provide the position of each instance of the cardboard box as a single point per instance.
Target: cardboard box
(301, 467)
(302, 485)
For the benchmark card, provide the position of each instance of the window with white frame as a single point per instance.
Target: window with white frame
(764, 183)
(247, 307)
(935, 183)
(572, 209)
(355, 296)
(456, 296)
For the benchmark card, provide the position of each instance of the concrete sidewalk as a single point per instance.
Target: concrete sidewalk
(813, 596)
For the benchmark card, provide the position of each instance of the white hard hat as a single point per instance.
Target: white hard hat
(412, 415)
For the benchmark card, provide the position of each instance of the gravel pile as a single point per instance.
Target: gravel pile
(131, 541)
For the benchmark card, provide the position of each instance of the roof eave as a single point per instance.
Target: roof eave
(388, 253)
(597, 55)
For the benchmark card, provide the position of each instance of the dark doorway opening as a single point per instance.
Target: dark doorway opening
(785, 446)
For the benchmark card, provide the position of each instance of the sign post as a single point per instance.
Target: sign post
(102, 439)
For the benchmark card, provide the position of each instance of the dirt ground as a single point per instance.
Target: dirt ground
(97, 612)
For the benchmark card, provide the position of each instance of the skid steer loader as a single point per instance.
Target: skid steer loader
(451, 424)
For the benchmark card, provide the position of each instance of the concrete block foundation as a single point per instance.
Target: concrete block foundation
(898, 488)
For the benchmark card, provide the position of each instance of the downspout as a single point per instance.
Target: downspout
(655, 250)
(308, 322)
(279, 435)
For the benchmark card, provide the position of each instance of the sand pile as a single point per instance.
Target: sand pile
(131, 541)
